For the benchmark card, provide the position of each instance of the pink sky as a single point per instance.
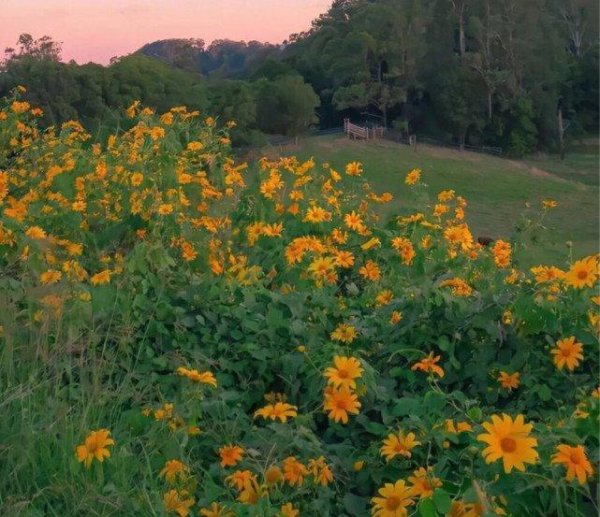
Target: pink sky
(96, 30)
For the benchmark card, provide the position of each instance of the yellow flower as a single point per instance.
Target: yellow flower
(509, 381)
(405, 249)
(358, 465)
(575, 460)
(231, 455)
(370, 271)
(195, 146)
(321, 471)
(188, 252)
(423, 483)
(567, 353)
(549, 203)
(193, 430)
(79, 206)
(173, 469)
(240, 479)
(396, 317)
(199, 377)
(165, 209)
(446, 195)
(354, 169)
(510, 441)
(393, 501)
(459, 236)
(252, 492)
(440, 209)
(340, 402)
(176, 503)
(35, 232)
(288, 510)
(130, 112)
(459, 287)
(273, 475)
(294, 471)
(164, 413)
(502, 252)
(545, 274)
(461, 427)
(385, 297)
(344, 259)
(344, 332)
(322, 267)
(136, 179)
(371, 243)
(20, 107)
(583, 273)
(580, 411)
(354, 222)
(101, 278)
(166, 119)
(50, 277)
(279, 410)
(429, 365)
(346, 370)
(398, 444)
(95, 446)
(413, 177)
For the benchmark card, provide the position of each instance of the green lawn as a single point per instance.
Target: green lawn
(497, 189)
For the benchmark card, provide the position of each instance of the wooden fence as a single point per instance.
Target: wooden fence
(365, 133)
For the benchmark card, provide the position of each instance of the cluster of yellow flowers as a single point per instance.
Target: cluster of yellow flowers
(340, 398)
(507, 440)
(74, 213)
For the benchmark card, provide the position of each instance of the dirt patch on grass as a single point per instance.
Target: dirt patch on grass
(542, 173)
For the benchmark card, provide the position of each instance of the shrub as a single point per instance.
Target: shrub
(207, 336)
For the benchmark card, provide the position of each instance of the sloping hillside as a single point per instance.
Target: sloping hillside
(498, 190)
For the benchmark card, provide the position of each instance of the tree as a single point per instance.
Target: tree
(43, 48)
(455, 104)
(286, 105)
(521, 133)
(235, 100)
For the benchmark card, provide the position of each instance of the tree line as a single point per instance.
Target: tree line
(518, 75)
(96, 95)
(495, 72)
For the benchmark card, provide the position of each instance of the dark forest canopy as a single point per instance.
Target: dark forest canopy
(494, 72)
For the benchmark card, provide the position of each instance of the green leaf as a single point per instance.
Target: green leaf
(427, 508)
(544, 392)
(354, 504)
(442, 500)
(474, 414)
(434, 401)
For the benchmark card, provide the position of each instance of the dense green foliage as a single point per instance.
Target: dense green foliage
(491, 71)
(96, 95)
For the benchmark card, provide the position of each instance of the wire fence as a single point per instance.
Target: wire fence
(401, 138)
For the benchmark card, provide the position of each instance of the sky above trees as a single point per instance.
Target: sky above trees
(96, 31)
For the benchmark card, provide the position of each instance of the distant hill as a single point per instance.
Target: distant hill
(222, 58)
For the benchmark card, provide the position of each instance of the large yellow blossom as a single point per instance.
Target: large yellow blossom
(509, 441)
(393, 500)
(346, 370)
(95, 446)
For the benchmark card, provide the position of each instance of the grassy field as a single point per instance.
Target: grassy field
(497, 189)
